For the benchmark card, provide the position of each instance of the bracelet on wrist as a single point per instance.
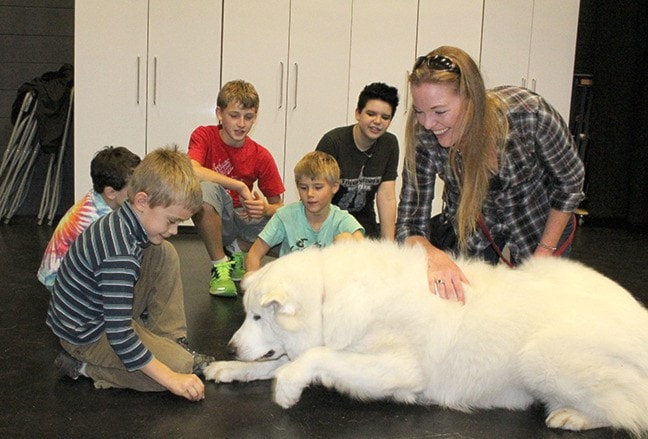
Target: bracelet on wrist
(548, 247)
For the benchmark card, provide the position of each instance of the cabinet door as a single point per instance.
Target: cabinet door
(382, 53)
(110, 81)
(532, 44)
(442, 23)
(183, 69)
(457, 23)
(506, 41)
(318, 77)
(553, 49)
(255, 49)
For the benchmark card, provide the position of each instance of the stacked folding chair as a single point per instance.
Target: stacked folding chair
(45, 114)
(53, 178)
(18, 160)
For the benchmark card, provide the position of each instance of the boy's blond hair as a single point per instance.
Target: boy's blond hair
(318, 164)
(238, 91)
(167, 177)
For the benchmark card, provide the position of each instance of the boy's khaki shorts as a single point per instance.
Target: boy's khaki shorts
(233, 225)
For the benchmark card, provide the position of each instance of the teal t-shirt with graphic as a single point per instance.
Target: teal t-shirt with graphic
(290, 228)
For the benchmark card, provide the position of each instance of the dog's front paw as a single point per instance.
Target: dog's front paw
(287, 393)
(288, 386)
(222, 371)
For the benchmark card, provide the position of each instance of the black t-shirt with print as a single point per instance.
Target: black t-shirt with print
(361, 172)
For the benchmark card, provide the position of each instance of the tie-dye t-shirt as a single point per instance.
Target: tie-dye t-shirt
(91, 207)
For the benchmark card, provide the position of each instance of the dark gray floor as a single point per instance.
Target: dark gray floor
(36, 403)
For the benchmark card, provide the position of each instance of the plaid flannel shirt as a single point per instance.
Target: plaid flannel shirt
(540, 170)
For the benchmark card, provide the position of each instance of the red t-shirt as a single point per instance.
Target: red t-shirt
(250, 163)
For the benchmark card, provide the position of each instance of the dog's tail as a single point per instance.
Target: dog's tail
(627, 406)
(630, 411)
(592, 382)
(623, 389)
(615, 393)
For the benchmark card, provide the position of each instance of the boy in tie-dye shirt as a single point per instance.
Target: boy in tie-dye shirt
(110, 170)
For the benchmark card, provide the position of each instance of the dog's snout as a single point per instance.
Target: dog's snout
(231, 349)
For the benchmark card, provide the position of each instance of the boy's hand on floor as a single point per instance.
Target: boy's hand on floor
(188, 386)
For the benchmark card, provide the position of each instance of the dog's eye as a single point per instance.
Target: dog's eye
(256, 317)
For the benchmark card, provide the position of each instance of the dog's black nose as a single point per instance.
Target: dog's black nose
(231, 349)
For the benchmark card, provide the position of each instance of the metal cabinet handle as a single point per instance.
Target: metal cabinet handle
(155, 80)
(281, 81)
(296, 84)
(407, 94)
(137, 91)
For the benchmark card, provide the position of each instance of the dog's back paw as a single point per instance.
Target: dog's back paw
(570, 419)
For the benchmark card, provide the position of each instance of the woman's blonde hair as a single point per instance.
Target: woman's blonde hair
(483, 129)
(167, 177)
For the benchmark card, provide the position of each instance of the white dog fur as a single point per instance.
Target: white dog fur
(360, 318)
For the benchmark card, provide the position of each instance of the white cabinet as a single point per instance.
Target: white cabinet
(146, 74)
(457, 23)
(531, 43)
(110, 85)
(255, 49)
(442, 23)
(296, 54)
(184, 55)
(382, 53)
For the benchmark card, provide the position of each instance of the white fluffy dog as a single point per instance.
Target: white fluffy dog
(360, 318)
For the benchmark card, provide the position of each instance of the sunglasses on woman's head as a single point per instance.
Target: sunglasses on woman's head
(437, 62)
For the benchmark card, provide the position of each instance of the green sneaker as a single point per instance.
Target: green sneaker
(238, 270)
(221, 284)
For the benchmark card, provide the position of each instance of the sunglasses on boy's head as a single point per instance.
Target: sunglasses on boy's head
(437, 62)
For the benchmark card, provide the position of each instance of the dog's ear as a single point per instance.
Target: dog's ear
(285, 310)
(278, 299)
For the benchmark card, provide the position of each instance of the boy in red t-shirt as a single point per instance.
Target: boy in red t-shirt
(228, 163)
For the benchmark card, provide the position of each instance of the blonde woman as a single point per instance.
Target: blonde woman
(505, 155)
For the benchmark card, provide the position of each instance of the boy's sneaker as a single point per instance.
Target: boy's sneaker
(231, 249)
(199, 360)
(68, 365)
(221, 283)
(182, 341)
(238, 269)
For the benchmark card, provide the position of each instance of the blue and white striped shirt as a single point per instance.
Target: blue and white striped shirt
(540, 170)
(93, 291)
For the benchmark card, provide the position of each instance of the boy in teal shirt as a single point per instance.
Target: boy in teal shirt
(312, 221)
